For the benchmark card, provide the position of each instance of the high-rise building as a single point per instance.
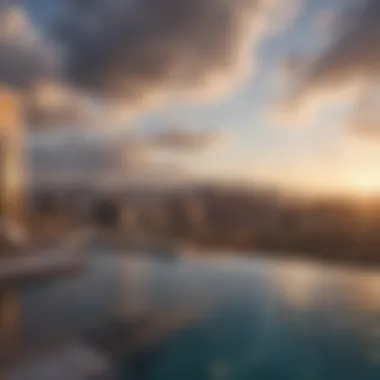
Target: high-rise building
(11, 186)
(12, 168)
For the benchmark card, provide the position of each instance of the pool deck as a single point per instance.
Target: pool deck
(33, 262)
(71, 361)
(38, 265)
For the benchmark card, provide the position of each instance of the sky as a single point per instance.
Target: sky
(250, 91)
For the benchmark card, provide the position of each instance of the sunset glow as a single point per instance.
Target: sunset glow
(366, 185)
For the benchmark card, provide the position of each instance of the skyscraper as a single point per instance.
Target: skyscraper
(12, 174)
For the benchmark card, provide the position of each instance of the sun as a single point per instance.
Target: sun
(366, 184)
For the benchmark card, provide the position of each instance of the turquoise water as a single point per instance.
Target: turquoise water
(219, 319)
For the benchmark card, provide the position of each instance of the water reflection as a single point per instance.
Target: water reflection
(215, 319)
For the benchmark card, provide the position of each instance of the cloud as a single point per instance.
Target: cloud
(182, 139)
(132, 49)
(19, 67)
(28, 65)
(78, 155)
(364, 120)
(53, 104)
(25, 59)
(365, 128)
(128, 55)
(293, 65)
(354, 55)
(329, 22)
(348, 65)
(77, 152)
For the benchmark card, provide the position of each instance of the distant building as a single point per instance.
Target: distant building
(105, 213)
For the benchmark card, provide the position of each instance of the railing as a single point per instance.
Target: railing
(48, 264)
(25, 266)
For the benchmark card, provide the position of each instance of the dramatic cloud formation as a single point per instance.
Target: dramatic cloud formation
(129, 54)
(354, 55)
(132, 48)
(28, 64)
(133, 51)
(347, 68)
